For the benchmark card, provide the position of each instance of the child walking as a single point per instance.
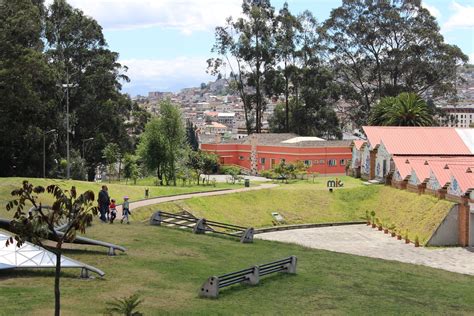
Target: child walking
(113, 211)
(125, 210)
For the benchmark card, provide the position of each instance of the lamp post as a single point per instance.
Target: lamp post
(67, 85)
(84, 141)
(44, 150)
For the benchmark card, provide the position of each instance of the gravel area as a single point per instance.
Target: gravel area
(365, 241)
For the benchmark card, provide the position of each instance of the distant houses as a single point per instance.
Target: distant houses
(426, 160)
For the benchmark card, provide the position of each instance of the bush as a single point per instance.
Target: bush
(269, 174)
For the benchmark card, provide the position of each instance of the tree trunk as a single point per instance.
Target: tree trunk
(287, 109)
(120, 167)
(57, 275)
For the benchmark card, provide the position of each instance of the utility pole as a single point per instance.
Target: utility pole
(44, 150)
(84, 141)
(67, 85)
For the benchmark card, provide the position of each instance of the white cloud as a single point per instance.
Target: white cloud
(165, 74)
(433, 10)
(463, 17)
(185, 15)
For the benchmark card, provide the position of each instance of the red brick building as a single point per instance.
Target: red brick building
(263, 151)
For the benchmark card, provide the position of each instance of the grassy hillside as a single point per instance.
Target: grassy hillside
(166, 267)
(118, 191)
(307, 202)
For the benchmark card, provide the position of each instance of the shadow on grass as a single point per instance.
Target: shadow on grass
(38, 273)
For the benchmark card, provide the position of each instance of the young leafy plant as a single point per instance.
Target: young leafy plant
(124, 306)
(40, 222)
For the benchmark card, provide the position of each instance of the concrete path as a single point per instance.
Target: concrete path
(158, 200)
(225, 178)
(365, 241)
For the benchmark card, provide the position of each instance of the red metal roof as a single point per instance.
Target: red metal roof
(435, 164)
(442, 175)
(417, 140)
(465, 179)
(358, 143)
(402, 166)
(421, 168)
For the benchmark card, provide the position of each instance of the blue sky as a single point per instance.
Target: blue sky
(165, 43)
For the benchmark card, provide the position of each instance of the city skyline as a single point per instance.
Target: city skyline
(165, 44)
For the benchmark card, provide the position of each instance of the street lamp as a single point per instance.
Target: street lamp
(44, 150)
(67, 85)
(84, 141)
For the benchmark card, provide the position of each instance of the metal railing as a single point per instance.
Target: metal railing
(202, 225)
(249, 276)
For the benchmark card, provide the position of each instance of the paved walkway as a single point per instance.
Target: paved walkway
(225, 178)
(365, 241)
(164, 199)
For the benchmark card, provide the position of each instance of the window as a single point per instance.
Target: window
(241, 157)
(342, 162)
(315, 162)
(273, 162)
(262, 161)
(321, 162)
(307, 163)
(331, 162)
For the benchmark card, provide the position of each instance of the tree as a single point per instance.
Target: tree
(111, 154)
(27, 89)
(77, 49)
(152, 149)
(210, 163)
(162, 141)
(287, 39)
(407, 109)
(191, 137)
(202, 163)
(41, 222)
(382, 48)
(42, 49)
(196, 163)
(173, 131)
(246, 46)
(233, 172)
(130, 168)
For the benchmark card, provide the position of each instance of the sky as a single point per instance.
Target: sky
(165, 43)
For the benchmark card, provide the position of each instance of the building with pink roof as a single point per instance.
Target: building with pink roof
(432, 160)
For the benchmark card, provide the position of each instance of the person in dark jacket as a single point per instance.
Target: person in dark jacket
(104, 202)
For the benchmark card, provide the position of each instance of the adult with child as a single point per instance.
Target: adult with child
(104, 202)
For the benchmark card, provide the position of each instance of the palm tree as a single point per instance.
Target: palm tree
(407, 109)
(379, 113)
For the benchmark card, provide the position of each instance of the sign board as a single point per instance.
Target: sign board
(335, 183)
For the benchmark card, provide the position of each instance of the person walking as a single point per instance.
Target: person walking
(104, 202)
(113, 211)
(125, 210)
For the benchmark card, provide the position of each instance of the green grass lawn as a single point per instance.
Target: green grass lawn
(118, 191)
(166, 267)
(307, 202)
